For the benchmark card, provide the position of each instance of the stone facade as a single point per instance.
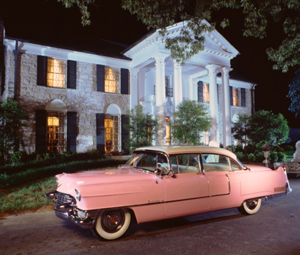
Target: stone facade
(85, 100)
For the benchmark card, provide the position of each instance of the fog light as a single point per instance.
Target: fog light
(81, 214)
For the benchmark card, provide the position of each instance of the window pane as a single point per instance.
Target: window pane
(185, 163)
(112, 77)
(206, 93)
(235, 96)
(55, 73)
(112, 136)
(235, 166)
(55, 132)
(215, 162)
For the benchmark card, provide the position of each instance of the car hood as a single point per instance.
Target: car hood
(119, 175)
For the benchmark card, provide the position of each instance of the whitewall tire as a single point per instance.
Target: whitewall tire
(250, 206)
(111, 224)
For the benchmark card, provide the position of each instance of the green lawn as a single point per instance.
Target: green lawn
(29, 197)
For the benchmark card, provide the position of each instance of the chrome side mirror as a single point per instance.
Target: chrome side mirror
(171, 173)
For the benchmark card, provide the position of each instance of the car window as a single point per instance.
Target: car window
(148, 161)
(235, 166)
(215, 162)
(185, 163)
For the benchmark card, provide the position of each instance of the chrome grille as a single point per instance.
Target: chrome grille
(64, 198)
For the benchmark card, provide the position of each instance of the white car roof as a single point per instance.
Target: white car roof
(188, 149)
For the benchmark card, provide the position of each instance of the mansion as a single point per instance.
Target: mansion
(78, 100)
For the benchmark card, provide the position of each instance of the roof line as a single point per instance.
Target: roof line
(122, 56)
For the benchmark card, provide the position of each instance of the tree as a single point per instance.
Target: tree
(240, 129)
(294, 94)
(159, 14)
(83, 7)
(189, 119)
(11, 120)
(141, 128)
(265, 127)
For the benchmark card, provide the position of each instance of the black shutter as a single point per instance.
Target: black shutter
(71, 74)
(200, 91)
(100, 78)
(125, 132)
(124, 81)
(71, 131)
(40, 131)
(231, 96)
(42, 71)
(243, 97)
(100, 131)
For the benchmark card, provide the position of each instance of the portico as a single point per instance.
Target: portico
(159, 83)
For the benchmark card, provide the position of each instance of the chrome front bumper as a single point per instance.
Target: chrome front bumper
(68, 211)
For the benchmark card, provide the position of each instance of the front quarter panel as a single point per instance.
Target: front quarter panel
(126, 194)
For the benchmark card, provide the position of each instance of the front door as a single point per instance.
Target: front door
(187, 192)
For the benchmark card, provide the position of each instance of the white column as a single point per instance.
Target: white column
(213, 101)
(134, 91)
(226, 107)
(177, 90)
(160, 98)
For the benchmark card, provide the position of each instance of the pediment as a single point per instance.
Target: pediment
(215, 43)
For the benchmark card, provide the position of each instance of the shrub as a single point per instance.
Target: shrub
(249, 148)
(239, 148)
(31, 172)
(281, 157)
(259, 157)
(288, 147)
(278, 149)
(241, 155)
(15, 157)
(231, 148)
(251, 157)
(273, 156)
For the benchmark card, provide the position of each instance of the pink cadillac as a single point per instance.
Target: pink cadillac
(164, 182)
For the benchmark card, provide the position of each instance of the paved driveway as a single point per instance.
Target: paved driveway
(274, 230)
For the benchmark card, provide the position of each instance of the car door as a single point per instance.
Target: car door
(224, 183)
(187, 192)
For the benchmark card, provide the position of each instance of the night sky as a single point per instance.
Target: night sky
(49, 21)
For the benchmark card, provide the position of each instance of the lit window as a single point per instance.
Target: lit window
(168, 131)
(55, 132)
(206, 93)
(112, 77)
(55, 73)
(235, 96)
(203, 92)
(112, 137)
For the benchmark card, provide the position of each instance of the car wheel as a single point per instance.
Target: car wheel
(250, 206)
(112, 223)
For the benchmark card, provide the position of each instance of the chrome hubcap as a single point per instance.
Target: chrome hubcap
(112, 221)
(252, 203)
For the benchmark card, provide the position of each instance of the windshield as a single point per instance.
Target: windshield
(148, 161)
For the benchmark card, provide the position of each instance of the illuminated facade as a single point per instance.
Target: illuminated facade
(204, 78)
(78, 101)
